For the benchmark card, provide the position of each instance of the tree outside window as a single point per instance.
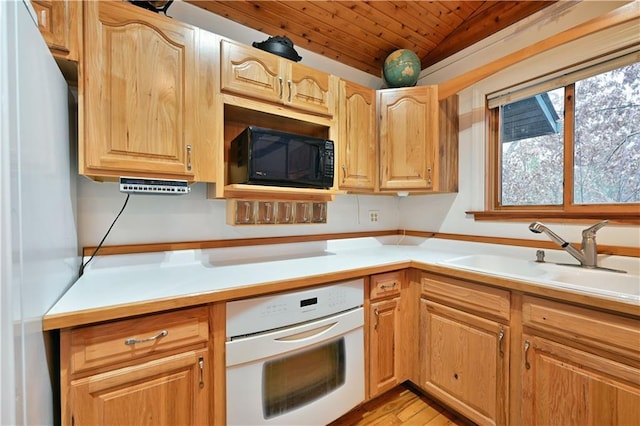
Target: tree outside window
(595, 121)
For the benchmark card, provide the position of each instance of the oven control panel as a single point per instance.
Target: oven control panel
(260, 314)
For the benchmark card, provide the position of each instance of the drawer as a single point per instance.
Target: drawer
(125, 340)
(609, 332)
(475, 298)
(385, 285)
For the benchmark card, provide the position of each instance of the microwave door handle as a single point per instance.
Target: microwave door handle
(320, 164)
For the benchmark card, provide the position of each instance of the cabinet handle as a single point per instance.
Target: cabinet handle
(133, 340)
(527, 345)
(281, 87)
(500, 343)
(386, 286)
(289, 87)
(43, 18)
(344, 173)
(201, 365)
(189, 157)
(428, 175)
(377, 314)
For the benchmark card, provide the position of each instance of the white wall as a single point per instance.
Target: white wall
(446, 213)
(193, 217)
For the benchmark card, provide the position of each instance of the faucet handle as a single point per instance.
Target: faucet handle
(590, 232)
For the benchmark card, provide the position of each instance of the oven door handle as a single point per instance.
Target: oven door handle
(306, 334)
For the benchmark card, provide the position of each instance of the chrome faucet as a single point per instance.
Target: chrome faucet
(588, 256)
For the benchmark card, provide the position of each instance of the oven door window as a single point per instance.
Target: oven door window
(296, 380)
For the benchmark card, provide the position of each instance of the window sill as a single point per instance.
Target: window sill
(622, 218)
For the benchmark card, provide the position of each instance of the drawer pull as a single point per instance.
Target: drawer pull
(201, 365)
(377, 314)
(281, 87)
(386, 286)
(133, 341)
(501, 343)
(527, 345)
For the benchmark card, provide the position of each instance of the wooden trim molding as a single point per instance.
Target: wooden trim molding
(621, 15)
(238, 242)
(521, 242)
(244, 242)
(614, 217)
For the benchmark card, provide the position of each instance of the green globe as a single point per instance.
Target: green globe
(401, 68)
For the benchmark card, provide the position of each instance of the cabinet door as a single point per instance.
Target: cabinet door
(465, 362)
(57, 22)
(309, 89)
(567, 386)
(167, 391)
(408, 137)
(251, 72)
(139, 93)
(383, 374)
(358, 147)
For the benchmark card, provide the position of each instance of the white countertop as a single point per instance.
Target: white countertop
(118, 280)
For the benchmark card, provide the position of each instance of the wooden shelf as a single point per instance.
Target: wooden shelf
(280, 193)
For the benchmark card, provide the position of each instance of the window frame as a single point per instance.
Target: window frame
(627, 213)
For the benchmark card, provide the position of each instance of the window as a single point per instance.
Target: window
(570, 145)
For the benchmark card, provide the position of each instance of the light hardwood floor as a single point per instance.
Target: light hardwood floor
(400, 406)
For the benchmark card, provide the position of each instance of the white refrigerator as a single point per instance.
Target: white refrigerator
(39, 256)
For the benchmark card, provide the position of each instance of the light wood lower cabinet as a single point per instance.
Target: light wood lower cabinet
(167, 391)
(580, 366)
(464, 347)
(493, 355)
(149, 370)
(382, 349)
(387, 365)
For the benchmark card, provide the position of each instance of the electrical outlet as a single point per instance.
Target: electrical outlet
(374, 215)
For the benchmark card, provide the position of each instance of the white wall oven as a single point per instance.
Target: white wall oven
(295, 358)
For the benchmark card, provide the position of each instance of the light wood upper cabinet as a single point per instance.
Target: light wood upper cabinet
(59, 24)
(464, 348)
(408, 137)
(147, 95)
(252, 72)
(579, 366)
(418, 140)
(358, 138)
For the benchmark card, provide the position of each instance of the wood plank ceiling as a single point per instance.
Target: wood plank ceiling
(362, 33)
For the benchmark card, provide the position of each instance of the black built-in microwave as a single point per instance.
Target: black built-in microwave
(263, 156)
